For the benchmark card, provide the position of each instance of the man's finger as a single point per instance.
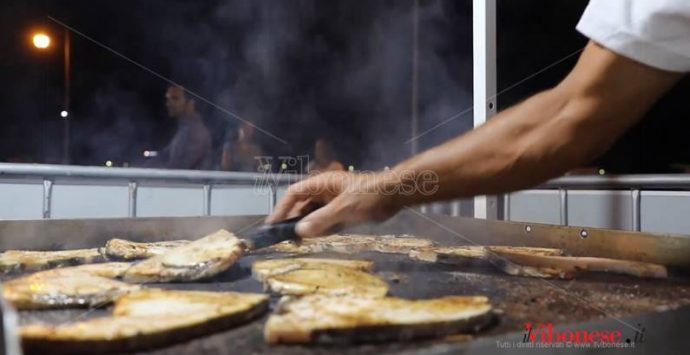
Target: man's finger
(284, 206)
(300, 209)
(321, 222)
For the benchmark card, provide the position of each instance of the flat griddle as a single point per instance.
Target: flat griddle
(594, 297)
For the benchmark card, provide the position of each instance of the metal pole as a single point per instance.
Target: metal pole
(636, 210)
(66, 104)
(563, 198)
(484, 69)
(132, 200)
(506, 207)
(272, 197)
(414, 145)
(47, 197)
(207, 200)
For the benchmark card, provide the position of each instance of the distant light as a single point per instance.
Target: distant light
(150, 153)
(602, 172)
(41, 40)
(386, 168)
(147, 153)
(351, 168)
(108, 163)
(283, 166)
(64, 114)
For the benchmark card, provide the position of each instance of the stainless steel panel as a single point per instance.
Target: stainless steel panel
(239, 200)
(21, 199)
(538, 206)
(665, 211)
(89, 201)
(170, 200)
(600, 209)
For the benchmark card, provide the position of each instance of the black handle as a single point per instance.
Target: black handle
(275, 233)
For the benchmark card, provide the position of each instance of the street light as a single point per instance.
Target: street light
(41, 40)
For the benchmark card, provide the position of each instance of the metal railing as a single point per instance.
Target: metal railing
(635, 184)
(134, 177)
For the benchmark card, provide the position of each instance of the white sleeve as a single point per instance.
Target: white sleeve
(652, 32)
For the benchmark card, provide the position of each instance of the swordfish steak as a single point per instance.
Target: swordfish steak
(79, 286)
(121, 249)
(202, 258)
(146, 319)
(17, 261)
(327, 319)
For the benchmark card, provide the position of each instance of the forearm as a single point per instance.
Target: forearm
(546, 135)
(520, 147)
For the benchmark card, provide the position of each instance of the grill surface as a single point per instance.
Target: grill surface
(516, 300)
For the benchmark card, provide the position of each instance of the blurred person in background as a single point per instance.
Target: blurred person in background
(324, 158)
(190, 147)
(240, 152)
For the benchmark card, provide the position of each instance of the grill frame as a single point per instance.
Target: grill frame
(414, 279)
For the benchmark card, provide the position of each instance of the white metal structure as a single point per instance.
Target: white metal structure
(484, 71)
(34, 191)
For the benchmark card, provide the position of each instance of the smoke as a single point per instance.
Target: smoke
(123, 137)
(299, 69)
(343, 70)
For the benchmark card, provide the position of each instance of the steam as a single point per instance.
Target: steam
(299, 69)
(123, 138)
(344, 71)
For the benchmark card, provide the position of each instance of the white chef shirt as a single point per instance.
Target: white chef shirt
(652, 32)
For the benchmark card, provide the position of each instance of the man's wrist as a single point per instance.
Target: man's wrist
(406, 187)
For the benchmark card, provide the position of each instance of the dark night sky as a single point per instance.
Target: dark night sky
(299, 69)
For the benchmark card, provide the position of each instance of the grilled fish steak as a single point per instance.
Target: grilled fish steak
(324, 319)
(302, 276)
(261, 270)
(147, 319)
(536, 262)
(17, 261)
(199, 259)
(64, 288)
(121, 249)
(329, 280)
(353, 243)
(112, 270)
(569, 266)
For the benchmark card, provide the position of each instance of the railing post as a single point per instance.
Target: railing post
(207, 200)
(47, 197)
(563, 197)
(272, 197)
(132, 200)
(506, 207)
(636, 210)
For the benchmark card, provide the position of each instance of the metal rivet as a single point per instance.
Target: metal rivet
(583, 234)
(528, 229)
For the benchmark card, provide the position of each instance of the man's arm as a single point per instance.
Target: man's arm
(540, 138)
(551, 132)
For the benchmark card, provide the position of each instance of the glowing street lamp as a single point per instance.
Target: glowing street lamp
(41, 40)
